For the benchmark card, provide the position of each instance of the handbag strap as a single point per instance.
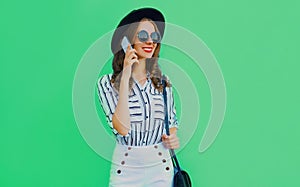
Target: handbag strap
(172, 152)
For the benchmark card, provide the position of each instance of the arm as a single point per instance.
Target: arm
(121, 117)
(171, 141)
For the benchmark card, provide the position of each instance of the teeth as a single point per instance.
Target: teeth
(148, 48)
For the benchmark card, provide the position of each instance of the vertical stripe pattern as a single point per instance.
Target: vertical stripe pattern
(146, 109)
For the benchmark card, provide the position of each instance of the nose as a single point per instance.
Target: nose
(149, 41)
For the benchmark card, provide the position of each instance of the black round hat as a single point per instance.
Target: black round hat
(133, 17)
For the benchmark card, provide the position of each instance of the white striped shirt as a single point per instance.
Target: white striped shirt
(146, 108)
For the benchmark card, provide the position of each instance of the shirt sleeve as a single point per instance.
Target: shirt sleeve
(108, 100)
(173, 121)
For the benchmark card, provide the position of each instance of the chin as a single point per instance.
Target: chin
(149, 56)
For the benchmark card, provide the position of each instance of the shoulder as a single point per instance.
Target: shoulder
(104, 78)
(104, 82)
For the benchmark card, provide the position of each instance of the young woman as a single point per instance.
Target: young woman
(132, 100)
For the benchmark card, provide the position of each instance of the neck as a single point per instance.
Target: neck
(139, 69)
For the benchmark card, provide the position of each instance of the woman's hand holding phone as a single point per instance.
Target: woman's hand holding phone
(129, 60)
(121, 117)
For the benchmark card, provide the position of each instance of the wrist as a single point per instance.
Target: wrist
(124, 80)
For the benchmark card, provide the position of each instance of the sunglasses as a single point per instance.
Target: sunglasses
(143, 36)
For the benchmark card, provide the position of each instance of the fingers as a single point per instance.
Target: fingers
(174, 145)
(130, 57)
(128, 48)
(171, 142)
(164, 136)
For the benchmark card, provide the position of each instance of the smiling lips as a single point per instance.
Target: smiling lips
(147, 49)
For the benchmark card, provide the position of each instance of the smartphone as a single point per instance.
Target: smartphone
(125, 43)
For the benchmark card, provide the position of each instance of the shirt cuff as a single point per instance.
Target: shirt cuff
(119, 135)
(175, 124)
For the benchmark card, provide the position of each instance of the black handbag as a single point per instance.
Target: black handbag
(181, 177)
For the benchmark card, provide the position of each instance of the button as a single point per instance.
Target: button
(126, 154)
(146, 103)
(123, 162)
(167, 168)
(164, 161)
(129, 148)
(146, 117)
(119, 171)
(159, 153)
(142, 90)
(155, 146)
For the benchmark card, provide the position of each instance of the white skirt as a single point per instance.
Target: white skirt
(141, 166)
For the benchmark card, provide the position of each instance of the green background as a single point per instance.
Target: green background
(255, 43)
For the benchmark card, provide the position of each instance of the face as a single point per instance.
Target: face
(144, 49)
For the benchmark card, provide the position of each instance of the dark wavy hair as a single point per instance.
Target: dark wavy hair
(151, 63)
